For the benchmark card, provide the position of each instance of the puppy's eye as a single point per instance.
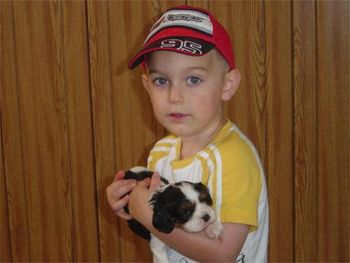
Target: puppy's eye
(186, 209)
(188, 212)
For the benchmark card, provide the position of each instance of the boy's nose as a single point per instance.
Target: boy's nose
(175, 95)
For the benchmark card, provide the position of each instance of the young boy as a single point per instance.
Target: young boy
(189, 74)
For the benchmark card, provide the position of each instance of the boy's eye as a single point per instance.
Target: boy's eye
(160, 81)
(193, 80)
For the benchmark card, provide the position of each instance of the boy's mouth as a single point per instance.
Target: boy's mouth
(177, 115)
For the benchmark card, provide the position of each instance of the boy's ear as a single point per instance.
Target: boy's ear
(145, 81)
(232, 81)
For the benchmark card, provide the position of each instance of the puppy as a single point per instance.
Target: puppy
(184, 204)
(140, 173)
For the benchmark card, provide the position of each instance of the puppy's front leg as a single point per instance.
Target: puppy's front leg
(215, 229)
(159, 250)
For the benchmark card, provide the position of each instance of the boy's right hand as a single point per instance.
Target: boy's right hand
(117, 194)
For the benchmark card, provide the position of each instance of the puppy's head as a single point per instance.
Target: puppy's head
(183, 204)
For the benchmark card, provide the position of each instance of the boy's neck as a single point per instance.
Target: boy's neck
(192, 145)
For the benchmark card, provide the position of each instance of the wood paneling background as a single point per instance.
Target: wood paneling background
(72, 115)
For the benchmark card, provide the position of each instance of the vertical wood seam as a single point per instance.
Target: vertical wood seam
(92, 126)
(317, 81)
(294, 140)
(316, 108)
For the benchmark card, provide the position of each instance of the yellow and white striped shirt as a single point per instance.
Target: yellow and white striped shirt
(232, 170)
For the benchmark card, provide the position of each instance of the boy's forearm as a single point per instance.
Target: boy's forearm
(198, 246)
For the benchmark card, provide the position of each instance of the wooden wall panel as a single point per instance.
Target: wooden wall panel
(100, 77)
(45, 194)
(333, 55)
(11, 139)
(279, 133)
(72, 114)
(85, 241)
(48, 162)
(43, 136)
(5, 236)
(305, 128)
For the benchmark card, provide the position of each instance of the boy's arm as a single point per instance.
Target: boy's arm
(193, 245)
(199, 247)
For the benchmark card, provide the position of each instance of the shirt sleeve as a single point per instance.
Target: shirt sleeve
(241, 185)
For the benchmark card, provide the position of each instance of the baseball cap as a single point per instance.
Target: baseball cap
(188, 30)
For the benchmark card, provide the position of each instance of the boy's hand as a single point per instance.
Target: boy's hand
(117, 194)
(139, 198)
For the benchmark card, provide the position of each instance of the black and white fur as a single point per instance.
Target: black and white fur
(184, 204)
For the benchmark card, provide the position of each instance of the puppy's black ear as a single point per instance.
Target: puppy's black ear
(162, 221)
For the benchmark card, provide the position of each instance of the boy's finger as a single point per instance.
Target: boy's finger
(145, 183)
(119, 209)
(155, 182)
(119, 176)
(124, 215)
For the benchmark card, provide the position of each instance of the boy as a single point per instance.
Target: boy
(189, 74)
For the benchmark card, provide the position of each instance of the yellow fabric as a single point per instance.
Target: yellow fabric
(230, 157)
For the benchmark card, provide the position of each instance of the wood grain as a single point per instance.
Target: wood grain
(279, 134)
(44, 129)
(49, 154)
(5, 245)
(85, 241)
(333, 52)
(305, 158)
(11, 139)
(100, 77)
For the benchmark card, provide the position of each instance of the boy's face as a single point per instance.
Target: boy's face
(187, 92)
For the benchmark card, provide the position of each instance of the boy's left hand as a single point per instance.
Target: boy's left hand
(139, 207)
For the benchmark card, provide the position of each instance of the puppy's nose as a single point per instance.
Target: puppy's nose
(206, 217)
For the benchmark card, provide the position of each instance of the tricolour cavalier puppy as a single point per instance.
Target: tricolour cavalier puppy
(184, 204)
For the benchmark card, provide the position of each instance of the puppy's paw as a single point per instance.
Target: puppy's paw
(214, 230)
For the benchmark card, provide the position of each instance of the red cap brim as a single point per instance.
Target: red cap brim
(184, 45)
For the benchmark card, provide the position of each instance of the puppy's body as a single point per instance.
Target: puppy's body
(184, 204)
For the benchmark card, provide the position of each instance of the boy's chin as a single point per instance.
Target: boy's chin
(180, 130)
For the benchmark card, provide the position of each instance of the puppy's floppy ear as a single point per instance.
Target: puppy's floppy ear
(161, 220)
